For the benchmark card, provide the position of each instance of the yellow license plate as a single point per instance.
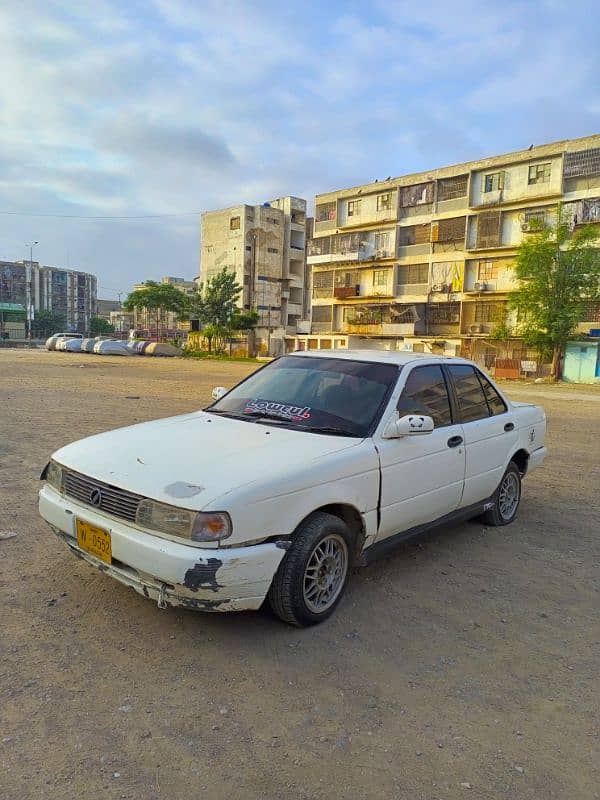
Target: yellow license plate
(94, 540)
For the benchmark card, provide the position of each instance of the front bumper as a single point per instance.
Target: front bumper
(173, 574)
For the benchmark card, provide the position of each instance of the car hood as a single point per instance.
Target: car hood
(191, 460)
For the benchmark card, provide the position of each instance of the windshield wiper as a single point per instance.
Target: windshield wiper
(331, 430)
(260, 415)
(232, 414)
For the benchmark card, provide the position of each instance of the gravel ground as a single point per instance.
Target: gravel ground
(463, 666)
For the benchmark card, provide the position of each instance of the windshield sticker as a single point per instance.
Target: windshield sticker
(295, 413)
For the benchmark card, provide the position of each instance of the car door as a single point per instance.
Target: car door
(489, 431)
(422, 475)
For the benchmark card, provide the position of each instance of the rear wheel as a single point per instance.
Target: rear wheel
(506, 498)
(312, 577)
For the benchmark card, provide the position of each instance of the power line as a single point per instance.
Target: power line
(80, 216)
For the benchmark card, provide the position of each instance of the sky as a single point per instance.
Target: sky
(163, 109)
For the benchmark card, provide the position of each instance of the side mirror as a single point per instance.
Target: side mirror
(409, 425)
(218, 392)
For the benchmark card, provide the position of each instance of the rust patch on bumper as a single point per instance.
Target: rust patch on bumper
(203, 576)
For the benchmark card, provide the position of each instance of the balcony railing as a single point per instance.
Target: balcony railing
(342, 292)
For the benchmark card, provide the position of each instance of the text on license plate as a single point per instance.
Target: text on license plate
(94, 540)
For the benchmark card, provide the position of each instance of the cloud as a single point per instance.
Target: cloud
(176, 105)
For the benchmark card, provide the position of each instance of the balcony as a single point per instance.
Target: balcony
(382, 328)
(329, 258)
(343, 292)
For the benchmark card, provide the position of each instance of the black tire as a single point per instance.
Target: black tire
(287, 595)
(503, 512)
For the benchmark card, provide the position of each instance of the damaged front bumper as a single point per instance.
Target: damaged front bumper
(172, 574)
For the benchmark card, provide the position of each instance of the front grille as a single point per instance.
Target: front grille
(112, 500)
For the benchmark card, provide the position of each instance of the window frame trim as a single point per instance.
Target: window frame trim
(447, 368)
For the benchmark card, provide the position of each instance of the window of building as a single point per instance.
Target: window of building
(416, 195)
(354, 208)
(323, 280)
(234, 224)
(414, 234)
(539, 173)
(488, 312)
(325, 212)
(534, 218)
(272, 250)
(413, 273)
(471, 399)
(384, 201)
(487, 270)
(380, 277)
(493, 182)
(322, 313)
(452, 188)
(248, 248)
(426, 393)
(448, 230)
(443, 313)
(489, 229)
(582, 163)
(382, 244)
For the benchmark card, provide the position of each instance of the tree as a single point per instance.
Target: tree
(160, 298)
(217, 300)
(100, 327)
(46, 323)
(216, 308)
(558, 271)
(244, 321)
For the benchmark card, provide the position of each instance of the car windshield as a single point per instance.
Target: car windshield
(322, 395)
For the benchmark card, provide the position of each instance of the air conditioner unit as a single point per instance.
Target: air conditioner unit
(525, 227)
(476, 329)
(436, 287)
(480, 286)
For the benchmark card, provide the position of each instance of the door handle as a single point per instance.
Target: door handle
(454, 441)
(510, 426)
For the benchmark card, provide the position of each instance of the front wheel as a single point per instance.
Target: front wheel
(506, 498)
(312, 577)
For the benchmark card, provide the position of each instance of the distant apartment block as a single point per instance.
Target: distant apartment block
(424, 262)
(68, 292)
(265, 246)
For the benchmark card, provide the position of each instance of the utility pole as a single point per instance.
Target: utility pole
(29, 290)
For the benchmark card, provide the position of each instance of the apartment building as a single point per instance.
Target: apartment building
(71, 293)
(265, 245)
(424, 262)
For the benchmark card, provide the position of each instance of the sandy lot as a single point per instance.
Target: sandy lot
(464, 666)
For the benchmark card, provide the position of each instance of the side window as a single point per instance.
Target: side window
(425, 392)
(471, 399)
(495, 402)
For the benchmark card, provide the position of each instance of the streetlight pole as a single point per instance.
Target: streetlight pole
(29, 291)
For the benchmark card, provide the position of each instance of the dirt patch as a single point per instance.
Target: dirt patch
(470, 657)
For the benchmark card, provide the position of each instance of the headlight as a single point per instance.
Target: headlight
(54, 476)
(192, 525)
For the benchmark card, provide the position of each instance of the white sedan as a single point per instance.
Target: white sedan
(315, 462)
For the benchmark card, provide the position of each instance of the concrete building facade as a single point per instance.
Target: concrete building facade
(41, 288)
(265, 245)
(424, 262)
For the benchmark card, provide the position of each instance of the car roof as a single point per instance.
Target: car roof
(379, 356)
